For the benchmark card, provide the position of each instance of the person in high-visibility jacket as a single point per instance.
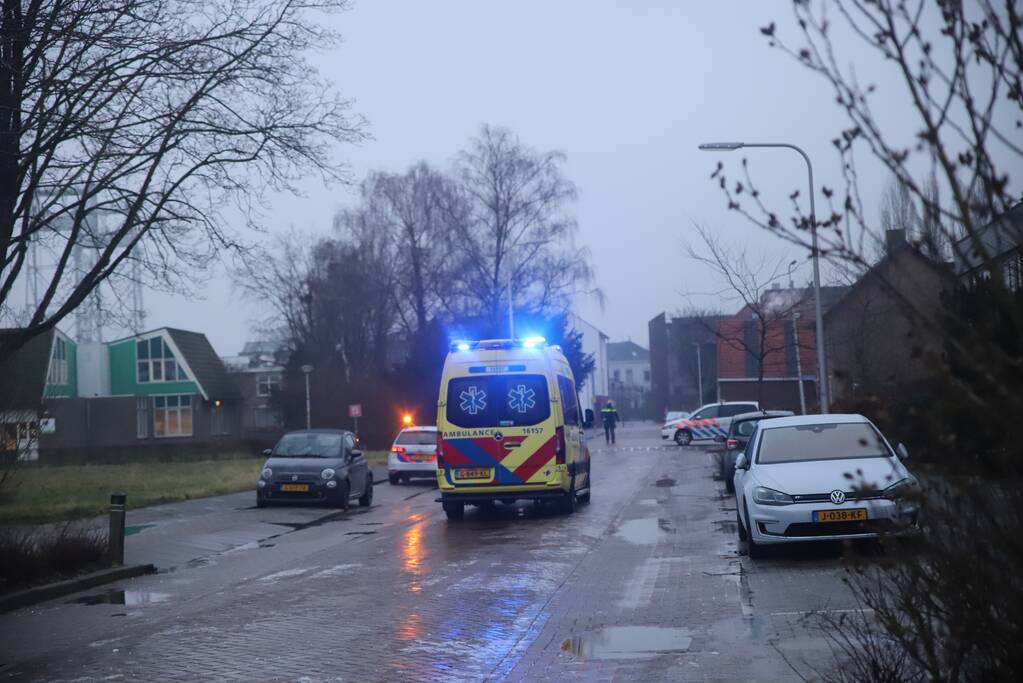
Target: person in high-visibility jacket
(610, 417)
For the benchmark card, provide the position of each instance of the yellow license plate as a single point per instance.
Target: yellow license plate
(853, 515)
(472, 473)
(295, 488)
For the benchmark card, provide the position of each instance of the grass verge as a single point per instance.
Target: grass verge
(29, 556)
(47, 494)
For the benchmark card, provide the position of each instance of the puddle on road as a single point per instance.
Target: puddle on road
(665, 482)
(645, 531)
(120, 597)
(137, 529)
(629, 642)
(727, 526)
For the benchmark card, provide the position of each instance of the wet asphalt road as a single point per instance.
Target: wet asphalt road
(644, 583)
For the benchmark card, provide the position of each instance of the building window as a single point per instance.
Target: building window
(267, 384)
(142, 417)
(156, 362)
(1012, 272)
(172, 415)
(628, 376)
(646, 375)
(58, 363)
(265, 417)
(219, 424)
(617, 375)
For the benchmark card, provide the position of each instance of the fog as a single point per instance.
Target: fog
(626, 90)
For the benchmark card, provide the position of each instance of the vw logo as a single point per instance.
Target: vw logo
(837, 497)
(498, 436)
(294, 477)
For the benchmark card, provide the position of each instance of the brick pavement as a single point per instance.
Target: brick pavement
(398, 593)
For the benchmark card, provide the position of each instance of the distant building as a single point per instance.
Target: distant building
(742, 349)
(873, 343)
(683, 352)
(1000, 247)
(594, 392)
(158, 390)
(628, 365)
(258, 373)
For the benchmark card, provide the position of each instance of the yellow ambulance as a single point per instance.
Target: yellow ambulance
(509, 427)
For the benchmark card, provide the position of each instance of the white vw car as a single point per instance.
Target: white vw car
(819, 478)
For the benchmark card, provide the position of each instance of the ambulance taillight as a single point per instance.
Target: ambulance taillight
(440, 451)
(559, 445)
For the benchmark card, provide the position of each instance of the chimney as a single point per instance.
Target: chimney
(894, 239)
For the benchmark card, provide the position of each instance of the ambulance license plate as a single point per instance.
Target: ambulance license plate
(295, 488)
(472, 473)
(854, 515)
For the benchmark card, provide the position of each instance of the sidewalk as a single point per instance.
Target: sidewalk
(193, 531)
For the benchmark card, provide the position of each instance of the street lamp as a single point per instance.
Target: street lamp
(308, 419)
(822, 366)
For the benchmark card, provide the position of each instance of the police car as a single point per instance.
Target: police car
(709, 422)
(413, 455)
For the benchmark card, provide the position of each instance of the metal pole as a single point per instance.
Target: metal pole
(308, 406)
(822, 364)
(511, 309)
(699, 370)
(799, 364)
(115, 541)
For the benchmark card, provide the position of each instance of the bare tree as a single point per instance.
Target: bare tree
(416, 208)
(128, 128)
(763, 312)
(516, 234)
(950, 609)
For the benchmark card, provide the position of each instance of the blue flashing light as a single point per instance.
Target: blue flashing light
(533, 342)
(463, 346)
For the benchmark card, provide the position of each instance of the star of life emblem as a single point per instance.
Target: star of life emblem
(474, 401)
(521, 399)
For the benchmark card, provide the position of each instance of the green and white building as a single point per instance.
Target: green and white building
(162, 392)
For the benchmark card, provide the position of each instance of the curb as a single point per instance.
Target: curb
(33, 596)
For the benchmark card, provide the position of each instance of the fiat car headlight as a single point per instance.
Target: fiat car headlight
(327, 474)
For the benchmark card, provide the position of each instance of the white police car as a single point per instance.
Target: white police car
(413, 455)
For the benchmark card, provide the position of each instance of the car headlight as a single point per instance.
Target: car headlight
(327, 474)
(898, 490)
(267, 473)
(766, 496)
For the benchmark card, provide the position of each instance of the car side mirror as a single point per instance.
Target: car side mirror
(719, 438)
(354, 454)
(741, 463)
(267, 452)
(902, 451)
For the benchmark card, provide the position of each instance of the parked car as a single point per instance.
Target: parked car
(670, 418)
(709, 421)
(819, 478)
(739, 433)
(315, 465)
(413, 455)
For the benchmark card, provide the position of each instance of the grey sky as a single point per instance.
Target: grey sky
(626, 89)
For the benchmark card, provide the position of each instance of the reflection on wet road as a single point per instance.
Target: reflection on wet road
(643, 583)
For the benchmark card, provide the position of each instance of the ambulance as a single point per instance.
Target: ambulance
(509, 427)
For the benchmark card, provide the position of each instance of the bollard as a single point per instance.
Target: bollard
(116, 539)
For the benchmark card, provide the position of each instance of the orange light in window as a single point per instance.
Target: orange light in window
(216, 403)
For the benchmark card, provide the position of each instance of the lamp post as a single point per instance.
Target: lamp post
(822, 366)
(308, 413)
